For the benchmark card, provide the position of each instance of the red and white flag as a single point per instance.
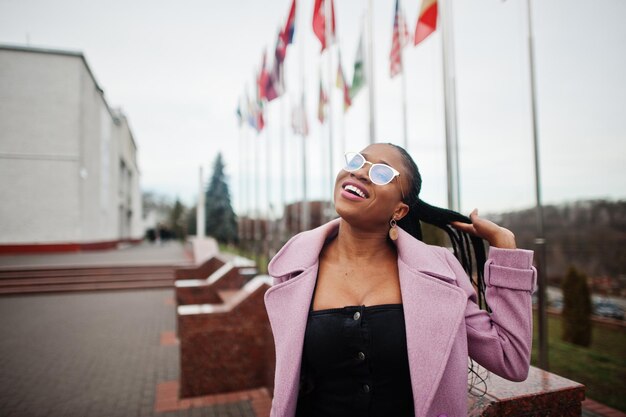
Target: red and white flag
(427, 21)
(319, 21)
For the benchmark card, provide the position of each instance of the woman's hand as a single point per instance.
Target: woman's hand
(497, 236)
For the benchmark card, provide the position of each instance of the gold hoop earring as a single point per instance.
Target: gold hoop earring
(393, 231)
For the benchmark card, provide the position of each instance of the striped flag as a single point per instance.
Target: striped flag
(399, 40)
(427, 21)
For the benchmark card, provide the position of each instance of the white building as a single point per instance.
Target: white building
(68, 162)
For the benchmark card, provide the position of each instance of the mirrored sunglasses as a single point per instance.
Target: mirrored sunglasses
(379, 174)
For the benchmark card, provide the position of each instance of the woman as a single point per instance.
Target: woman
(370, 321)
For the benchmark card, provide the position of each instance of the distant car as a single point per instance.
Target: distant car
(557, 304)
(608, 309)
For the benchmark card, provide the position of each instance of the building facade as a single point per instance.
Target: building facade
(69, 177)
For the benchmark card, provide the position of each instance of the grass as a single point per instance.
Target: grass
(260, 261)
(601, 367)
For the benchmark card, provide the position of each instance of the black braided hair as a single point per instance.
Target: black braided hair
(463, 244)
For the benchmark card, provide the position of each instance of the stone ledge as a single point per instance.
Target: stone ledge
(167, 399)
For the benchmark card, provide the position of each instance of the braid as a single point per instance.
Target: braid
(464, 245)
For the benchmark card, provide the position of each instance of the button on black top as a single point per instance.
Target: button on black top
(355, 364)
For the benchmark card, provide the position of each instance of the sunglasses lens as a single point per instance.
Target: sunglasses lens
(381, 174)
(354, 161)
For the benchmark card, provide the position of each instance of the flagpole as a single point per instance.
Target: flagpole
(259, 230)
(323, 182)
(268, 185)
(343, 105)
(247, 178)
(404, 111)
(200, 210)
(283, 186)
(342, 149)
(449, 87)
(401, 26)
(370, 70)
(305, 202)
(241, 181)
(304, 212)
(540, 240)
(327, 207)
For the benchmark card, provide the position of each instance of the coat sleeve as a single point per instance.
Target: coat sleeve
(501, 341)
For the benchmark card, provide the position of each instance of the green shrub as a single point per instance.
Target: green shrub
(576, 308)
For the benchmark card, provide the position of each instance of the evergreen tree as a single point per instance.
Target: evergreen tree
(177, 220)
(192, 221)
(576, 308)
(221, 222)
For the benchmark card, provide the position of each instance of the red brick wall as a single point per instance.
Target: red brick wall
(209, 293)
(201, 271)
(230, 351)
(203, 294)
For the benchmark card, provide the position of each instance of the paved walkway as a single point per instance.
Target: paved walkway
(91, 355)
(168, 253)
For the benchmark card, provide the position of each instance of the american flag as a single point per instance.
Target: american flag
(399, 41)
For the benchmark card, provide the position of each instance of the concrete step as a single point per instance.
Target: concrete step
(91, 286)
(18, 273)
(81, 279)
(18, 280)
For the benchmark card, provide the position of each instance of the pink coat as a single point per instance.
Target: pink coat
(443, 323)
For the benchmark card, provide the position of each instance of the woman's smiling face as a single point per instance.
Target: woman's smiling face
(363, 203)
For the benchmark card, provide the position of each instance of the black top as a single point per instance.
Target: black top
(355, 364)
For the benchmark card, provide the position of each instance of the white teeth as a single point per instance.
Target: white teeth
(355, 190)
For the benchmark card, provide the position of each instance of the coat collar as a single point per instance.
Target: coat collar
(433, 312)
(307, 245)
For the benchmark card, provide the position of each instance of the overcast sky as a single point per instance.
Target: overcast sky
(177, 69)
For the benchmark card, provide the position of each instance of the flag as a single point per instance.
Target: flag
(250, 115)
(261, 94)
(260, 121)
(261, 80)
(290, 26)
(254, 114)
(281, 48)
(239, 114)
(274, 85)
(358, 78)
(299, 122)
(399, 40)
(321, 108)
(319, 21)
(343, 86)
(427, 21)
